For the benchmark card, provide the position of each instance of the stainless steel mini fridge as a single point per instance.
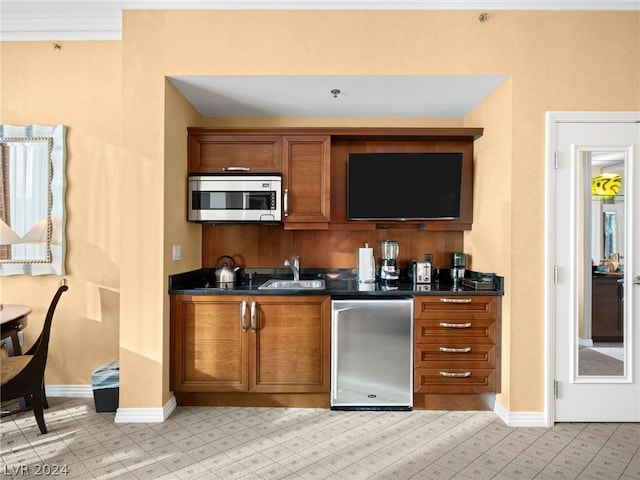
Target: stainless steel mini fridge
(372, 354)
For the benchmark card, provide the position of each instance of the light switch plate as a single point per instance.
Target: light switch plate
(177, 252)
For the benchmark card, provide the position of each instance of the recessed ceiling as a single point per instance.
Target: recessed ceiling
(420, 96)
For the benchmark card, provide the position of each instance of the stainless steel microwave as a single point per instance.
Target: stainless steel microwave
(235, 198)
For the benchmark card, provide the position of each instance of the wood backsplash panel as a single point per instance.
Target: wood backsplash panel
(268, 245)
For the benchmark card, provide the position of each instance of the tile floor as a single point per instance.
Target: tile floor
(615, 350)
(288, 443)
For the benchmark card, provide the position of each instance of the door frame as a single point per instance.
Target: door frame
(553, 118)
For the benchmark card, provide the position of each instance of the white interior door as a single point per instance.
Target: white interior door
(593, 377)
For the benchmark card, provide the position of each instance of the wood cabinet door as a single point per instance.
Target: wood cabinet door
(210, 351)
(306, 180)
(291, 345)
(217, 153)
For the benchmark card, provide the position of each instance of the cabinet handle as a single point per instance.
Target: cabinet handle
(286, 202)
(455, 350)
(455, 375)
(455, 325)
(243, 315)
(236, 169)
(253, 317)
(455, 300)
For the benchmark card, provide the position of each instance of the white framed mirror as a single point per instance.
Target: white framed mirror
(32, 204)
(601, 333)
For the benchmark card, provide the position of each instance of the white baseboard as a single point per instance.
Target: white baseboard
(585, 342)
(520, 419)
(81, 391)
(156, 415)
(123, 415)
(146, 415)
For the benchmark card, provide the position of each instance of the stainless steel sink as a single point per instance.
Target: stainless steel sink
(277, 284)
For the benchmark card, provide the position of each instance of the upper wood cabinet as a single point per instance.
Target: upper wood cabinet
(306, 178)
(218, 153)
(313, 163)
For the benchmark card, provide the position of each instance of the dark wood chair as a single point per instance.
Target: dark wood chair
(23, 375)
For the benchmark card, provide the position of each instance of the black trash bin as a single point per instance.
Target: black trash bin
(105, 381)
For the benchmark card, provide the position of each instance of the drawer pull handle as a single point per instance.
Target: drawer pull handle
(455, 325)
(455, 350)
(243, 316)
(455, 300)
(253, 317)
(455, 375)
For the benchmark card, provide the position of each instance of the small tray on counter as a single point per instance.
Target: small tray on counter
(478, 284)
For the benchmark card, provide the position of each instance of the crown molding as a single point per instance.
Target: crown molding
(40, 20)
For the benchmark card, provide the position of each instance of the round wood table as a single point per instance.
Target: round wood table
(13, 318)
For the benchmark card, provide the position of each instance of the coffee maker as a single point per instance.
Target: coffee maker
(458, 267)
(389, 271)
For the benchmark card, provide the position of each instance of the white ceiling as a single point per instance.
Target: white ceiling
(417, 96)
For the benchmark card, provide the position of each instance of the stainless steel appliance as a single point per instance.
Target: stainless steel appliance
(421, 270)
(389, 271)
(372, 354)
(458, 267)
(235, 198)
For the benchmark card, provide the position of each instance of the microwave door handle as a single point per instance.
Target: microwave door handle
(286, 202)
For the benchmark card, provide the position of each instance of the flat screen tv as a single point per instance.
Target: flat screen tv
(404, 186)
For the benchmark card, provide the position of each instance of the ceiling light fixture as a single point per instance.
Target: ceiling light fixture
(483, 17)
(606, 184)
(335, 92)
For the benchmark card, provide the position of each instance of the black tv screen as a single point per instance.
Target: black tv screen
(404, 186)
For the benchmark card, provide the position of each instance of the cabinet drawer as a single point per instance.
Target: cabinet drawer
(442, 307)
(443, 332)
(454, 356)
(454, 380)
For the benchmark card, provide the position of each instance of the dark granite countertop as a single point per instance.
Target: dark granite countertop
(339, 283)
(608, 274)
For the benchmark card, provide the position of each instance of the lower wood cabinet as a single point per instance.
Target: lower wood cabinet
(261, 344)
(456, 351)
(607, 311)
(275, 350)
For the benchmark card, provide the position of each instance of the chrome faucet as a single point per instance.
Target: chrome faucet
(294, 266)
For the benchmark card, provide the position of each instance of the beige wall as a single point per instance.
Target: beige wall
(78, 86)
(489, 242)
(126, 156)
